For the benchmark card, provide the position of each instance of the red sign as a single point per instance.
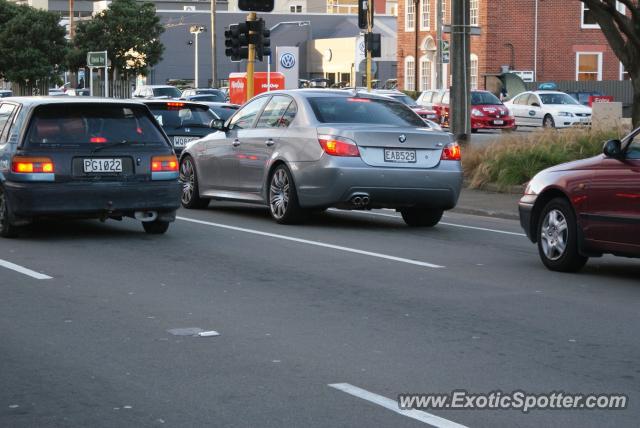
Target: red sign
(600, 99)
(238, 85)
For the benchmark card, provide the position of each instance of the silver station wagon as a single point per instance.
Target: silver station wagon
(303, 150)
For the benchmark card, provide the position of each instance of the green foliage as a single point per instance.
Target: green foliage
(129, 31)
(413, 94)
(32, 43)
(515, 159)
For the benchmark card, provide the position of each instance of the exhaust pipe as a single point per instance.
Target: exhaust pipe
(146, 216)
(357, 201)
(365, 201)
(360, 201)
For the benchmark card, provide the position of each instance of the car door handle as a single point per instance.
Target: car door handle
(235, 143)
(269, 142)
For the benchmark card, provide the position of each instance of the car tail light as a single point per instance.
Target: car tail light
(338, 146)
(164, 164)
(32, 165)
(98, 140)
(451, 152)
(175, 106)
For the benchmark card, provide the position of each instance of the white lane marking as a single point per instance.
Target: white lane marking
(392, 405)
(464, 226)
(315, 243)
(23, 270)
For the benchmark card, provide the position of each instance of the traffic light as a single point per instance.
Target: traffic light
(260, 38)
(363, 14)
(237, 41)
(372, 42)
(256, 5)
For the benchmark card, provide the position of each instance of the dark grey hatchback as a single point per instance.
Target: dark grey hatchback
(87, 158)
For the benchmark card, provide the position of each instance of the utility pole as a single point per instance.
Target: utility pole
(439, 84)
(416, 61)
(368, 45)
(72, 32)
(461, 52)
(196, 30)
(251, 56)
(214, 76)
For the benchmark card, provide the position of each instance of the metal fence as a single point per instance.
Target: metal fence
(620, 90)
(117, 89)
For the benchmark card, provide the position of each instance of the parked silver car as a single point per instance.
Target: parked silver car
(309, 149)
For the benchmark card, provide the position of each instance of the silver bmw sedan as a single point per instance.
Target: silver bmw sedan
(307, 149)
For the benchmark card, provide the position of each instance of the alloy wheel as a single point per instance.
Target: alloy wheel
(554, 234)
(279, 192)
(188, 180)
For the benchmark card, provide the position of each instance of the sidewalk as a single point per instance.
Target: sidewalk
(480, 202)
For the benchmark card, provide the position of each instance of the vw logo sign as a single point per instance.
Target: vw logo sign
(361, 47)
(402, 138)
(287, 60)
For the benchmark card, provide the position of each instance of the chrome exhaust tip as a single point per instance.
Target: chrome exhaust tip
(146, 216)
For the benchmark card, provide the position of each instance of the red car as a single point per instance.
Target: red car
(586, 208)
(487, 111)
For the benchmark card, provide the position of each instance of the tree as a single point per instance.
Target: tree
(32, 43)
(129, 31)
(621, 27)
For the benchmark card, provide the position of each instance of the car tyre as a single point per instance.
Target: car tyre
(156, 227)
(283, 197)
(7, 230)
(421, 216)
(474, 130)
(558, 237)
(548, 122)
(190, 192)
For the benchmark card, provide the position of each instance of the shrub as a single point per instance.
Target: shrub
(514, 159)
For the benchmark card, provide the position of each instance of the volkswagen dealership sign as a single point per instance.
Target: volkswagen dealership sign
(288, 64)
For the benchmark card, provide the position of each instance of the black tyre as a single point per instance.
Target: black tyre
(421, 216)
(283, 197)
(474, 130)
(548, 122)
(558, 237)
(7, 230)
(155, 227)
(190, 196)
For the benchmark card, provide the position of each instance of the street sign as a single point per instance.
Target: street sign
(97, 59)
(444, 51)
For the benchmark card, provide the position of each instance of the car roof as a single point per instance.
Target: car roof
(157, 86)
(548, 92)
(45, 100)
(326, 92)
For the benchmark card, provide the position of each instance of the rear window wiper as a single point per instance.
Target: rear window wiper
(114, 144)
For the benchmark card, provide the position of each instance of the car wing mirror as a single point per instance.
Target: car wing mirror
(612, 149)
(217, 124)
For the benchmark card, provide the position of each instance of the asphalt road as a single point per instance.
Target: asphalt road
(349, 298)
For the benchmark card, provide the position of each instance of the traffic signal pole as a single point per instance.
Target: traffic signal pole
(460, 53)
(251, 58)
(368, 45)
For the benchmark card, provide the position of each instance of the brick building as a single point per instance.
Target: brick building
(569, 46)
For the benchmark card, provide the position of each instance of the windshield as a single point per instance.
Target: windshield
(484, 98)
(214, 97)
(558, 99)
(364, 110)
(224, 112)
(75, 124)
(178, 115)
(170, 92)
(405, 99)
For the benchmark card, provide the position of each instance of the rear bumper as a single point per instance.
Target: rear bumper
(333, 181)
(91, 199)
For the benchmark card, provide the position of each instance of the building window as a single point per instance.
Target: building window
(589, 21)
(443, 11)
(475, 12)
(425, 73)
(410, 16)
(624, 74)
(474, 71)
(425, 15)
(409, 74)
(295, 8)
(589, 66)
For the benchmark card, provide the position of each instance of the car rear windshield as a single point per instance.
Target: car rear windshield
(224, 112)
(217, 97)
(405, 99)
(172, 116)
(78, 124)
(484, 98)
(363, 110)
(167, 92)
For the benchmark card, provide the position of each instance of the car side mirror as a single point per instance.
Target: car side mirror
(217, 124)
(612, 149)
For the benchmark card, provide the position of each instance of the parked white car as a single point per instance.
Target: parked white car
(550, 109)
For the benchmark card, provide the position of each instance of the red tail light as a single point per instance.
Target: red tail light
(175, 106)
(164, 164)
(29, 165)
(98, 140)
(338, 146)
(451, 152)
